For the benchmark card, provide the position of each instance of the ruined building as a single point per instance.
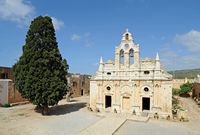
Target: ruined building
(79, 84)
(130, 84)
(196, 88)
(8, 92)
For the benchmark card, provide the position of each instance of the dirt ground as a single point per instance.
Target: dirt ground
(193, 113)
(64, 119)
(73, 118)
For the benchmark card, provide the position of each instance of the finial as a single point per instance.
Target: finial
(101, 60)
(126, 29)
(157, 56)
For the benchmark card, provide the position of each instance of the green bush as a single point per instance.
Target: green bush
(175, 91)
(6, 105)
(186, 88)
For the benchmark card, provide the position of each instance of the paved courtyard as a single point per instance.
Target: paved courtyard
(65, 119)
(74, 119)
(155, 128)
(158, 127)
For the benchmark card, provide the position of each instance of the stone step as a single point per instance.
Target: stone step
(144, 114)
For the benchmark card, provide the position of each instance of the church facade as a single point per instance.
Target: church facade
(130, 84)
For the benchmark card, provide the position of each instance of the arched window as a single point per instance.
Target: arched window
(127, 36)
(131, 56)
(122, 57)
(74, 84)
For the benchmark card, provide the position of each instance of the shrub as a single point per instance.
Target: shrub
(6, 105)
(175, 91)
(185, 88)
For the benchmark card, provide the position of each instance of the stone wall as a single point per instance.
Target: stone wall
(79, 84)
(13, 94)
(159, 94)
(4, 91)
(176, 83)
(8, 92)
(196, 90)
(6, 73)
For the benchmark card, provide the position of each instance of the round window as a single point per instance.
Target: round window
(146, 89)
(108, 88)
(126, 46)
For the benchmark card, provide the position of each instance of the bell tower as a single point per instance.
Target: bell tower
(127, 53)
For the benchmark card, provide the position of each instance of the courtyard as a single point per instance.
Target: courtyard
(73, 118)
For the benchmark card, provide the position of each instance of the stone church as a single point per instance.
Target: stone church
(130, 84)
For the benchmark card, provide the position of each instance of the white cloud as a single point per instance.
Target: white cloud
(174, 60)
(75, 37)
(19, 11)
(176, 57)
(88, 43)
(191, 40)
(84, 38)
(57, 23)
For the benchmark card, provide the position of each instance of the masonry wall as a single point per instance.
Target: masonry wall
(13, 94)
(8, 92)
(3, 91)
(159, 93)
(176, 83)
(79, 85)
(196, 90)
(6, 73)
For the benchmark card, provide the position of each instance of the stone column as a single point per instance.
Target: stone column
(126, 59)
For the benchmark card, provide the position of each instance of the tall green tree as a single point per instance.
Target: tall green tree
(40, 74)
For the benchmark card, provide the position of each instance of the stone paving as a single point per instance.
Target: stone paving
(105, 126)
(73, 118)
(164, 127)
(110, 123)
(155, 127)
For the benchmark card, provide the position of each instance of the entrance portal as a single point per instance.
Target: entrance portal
(145, 103)
(82, 92)
(108, 101)
(126, 104)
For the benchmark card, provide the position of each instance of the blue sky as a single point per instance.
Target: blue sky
(89, 29)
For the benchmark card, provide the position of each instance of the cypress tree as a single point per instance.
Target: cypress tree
(40, 74)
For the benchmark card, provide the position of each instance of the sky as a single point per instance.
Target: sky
(89, 29)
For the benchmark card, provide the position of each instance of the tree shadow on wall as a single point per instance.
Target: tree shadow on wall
(66, 108)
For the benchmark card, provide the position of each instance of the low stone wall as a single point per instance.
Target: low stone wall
(9, 93)
(196, 90)
(4, 91)
(13, 94)
(176, 83)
